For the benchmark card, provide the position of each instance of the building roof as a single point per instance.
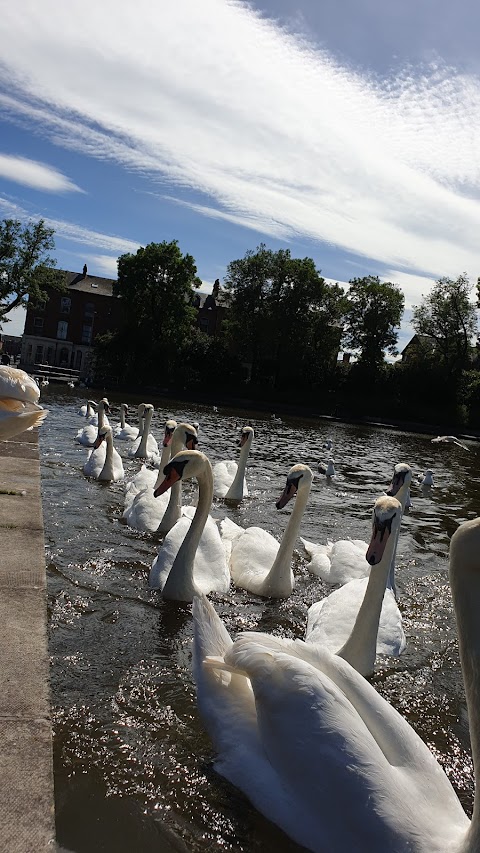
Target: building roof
(94, 284)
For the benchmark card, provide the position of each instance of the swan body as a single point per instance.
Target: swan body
(361, 618)
(192, 557)
(228, 477)
(142, 510)
(344, 560)
(449, 439)
(258, 562)
(145, 445)
(301, 733)
(88, 434)
(105, 465)
(124, 431)
(88, 409)
(19, 408)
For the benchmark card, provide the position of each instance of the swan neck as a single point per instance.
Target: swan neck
(236, 488)
(142, 447)
(163, 461)
(122, 418)
(107, 470)
(181, 576)
(280, 576)
(361, 647)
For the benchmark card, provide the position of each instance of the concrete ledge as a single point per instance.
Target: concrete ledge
(26, 769)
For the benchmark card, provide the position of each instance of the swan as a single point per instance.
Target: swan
(449, 439)
(303, 733)
(328, 469)
(361, 618)
(87, 435)
(184, 435)
(107, 465)
(427, 479)
(342, 561)
(258, 562)
(228, 477)
(44, 382)
(142, 510)
(124, 431)
(192, 557)
(88, 409)
(19, 408)
(145, 445)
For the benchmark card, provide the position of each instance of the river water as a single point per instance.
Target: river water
(133, 764)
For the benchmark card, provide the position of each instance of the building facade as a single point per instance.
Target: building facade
(60, 331)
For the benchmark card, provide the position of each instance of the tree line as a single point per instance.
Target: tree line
(283, 326)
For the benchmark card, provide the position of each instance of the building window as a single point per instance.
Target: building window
(38, 322)
(62, 330)
(50, 355)
(65, 304)
(38, 354)
(89, 310)
(204, 324)
(63, 357)
(86, 334)
(29, 353)
(40, 305)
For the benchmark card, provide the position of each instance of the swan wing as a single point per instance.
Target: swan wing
(319, 563)
(223, 476)
(18, 385)
(252, 557)
(17, 417)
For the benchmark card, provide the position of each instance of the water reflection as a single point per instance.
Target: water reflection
(133, 765)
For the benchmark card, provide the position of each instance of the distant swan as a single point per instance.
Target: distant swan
(19, 409)
(142, 510)
(87, 435)
(258, 562)
(145, 445)
(302, 734)
(328, 469)
(361, 618)
(342, 561)
(192, 557)
(124, 431)
(229, 477)
(104, 466)
(88, 409)
(449, 439)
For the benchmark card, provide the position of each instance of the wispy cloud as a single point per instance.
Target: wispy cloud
(279, 135)
(38, 176)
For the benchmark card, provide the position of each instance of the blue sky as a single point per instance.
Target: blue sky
(345, 130)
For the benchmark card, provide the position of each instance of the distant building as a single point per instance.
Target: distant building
(11, 345)
(60, 331)
(211, 313)
(418, 348)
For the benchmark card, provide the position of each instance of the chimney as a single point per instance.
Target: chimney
(84, 270)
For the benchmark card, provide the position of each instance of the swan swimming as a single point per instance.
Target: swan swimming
(145, 445)
(192, 557)
(328, 469)
(19, 408)
(258, 563)
(88, 434)
(88, 409)
(302, 733)
(142, 510)
(124, 431)
(449, 439)
(104, 466)
(229, 477)
(342, 561)
(361, 618)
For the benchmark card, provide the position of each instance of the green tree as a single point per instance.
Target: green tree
(156, 286)
(26, 267)
(281, 312)
(374, 312)
(448, 316)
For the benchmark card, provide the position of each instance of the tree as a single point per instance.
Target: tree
(448, 317)
(281, 314)
(374, 312)
(156, 286)
(26, 268)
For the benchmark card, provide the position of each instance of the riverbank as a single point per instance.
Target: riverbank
(26, 774)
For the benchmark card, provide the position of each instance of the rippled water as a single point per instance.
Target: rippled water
(133, 764)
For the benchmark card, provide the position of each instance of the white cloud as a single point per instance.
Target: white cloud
(38, 176)
(102, 265)
(281, 137)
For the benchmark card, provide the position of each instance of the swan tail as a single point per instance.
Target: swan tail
(27, 420)
(313, 549)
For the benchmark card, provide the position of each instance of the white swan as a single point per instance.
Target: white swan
(449, 439)
(258, 562)
(88, 409)
(302, 734)
(87, 435)
(124, 431)
(142, 510)
(228, 477)
(427, 479)
(19, 408)
(184, 435)
(192, 557)
(106, 465)
(145, 445)
(342, 561)
(328, 469)
(361, 618)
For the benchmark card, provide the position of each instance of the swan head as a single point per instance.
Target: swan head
(183, 466)
(124, 406)
(246, 434)
(402, 473)
(387, 515)
(104, 404)
(102, 436)
(169, 430)
(297, 477)
(184, 434)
